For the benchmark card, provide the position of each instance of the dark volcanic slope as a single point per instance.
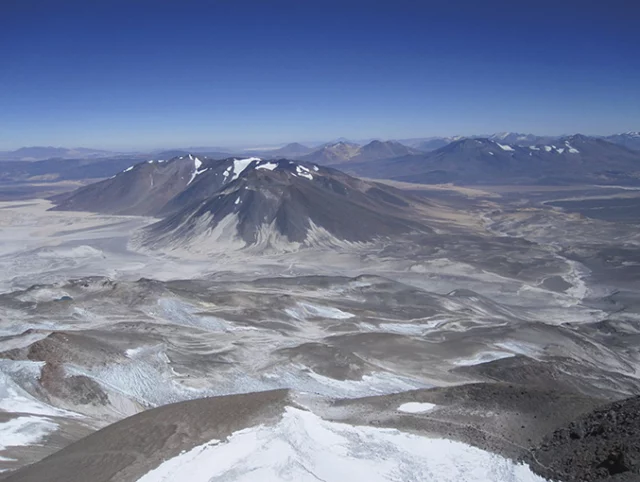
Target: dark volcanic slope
(142, 189)
(267, 202)
(567, 160)
(602, 445)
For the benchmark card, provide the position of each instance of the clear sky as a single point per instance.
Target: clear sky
(162, 73)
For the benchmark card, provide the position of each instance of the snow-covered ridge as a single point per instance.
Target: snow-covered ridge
(304, 447)
(238, 166)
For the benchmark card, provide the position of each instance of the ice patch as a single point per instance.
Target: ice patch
(305, 448)
(504, 147)
(410, 329)
(572, 149)
(15, 399)
(239, 165)
(519, 348)
(483, 357)
(237, 201)
(128, 169)
(25, 431)
(197, 165)
(269, 165)
(83, 251)
(576, 278)
(416, 407)
(304, 311)
(304, 172)
(147, 378)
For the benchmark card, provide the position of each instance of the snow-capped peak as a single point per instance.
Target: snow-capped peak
(238, 166)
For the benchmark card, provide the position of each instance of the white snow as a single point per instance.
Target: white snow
(128, 169)
(483, 357)
(547, 148)
(197, 165)
(304, 172)
(269, 165)
(316, 168)
(15, 399)
(534, 148)
(572, 150)
(560, 150)
(303, 447)
(304, 311)
(239, 165)
(24, 431)
(237, 201)
(416, 407)
(505, 147)
(491, 153)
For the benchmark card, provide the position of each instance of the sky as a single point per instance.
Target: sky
(140, 74)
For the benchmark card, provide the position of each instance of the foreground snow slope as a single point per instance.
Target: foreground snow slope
(304, 447)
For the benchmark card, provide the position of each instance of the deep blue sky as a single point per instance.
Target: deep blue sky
(140, 74)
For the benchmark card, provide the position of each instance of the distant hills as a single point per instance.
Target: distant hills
(627, 139)
(446, 159)
(333, 152)
(571, 159)
(341, 152)
(40, 153)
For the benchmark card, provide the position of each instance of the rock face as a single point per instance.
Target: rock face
(602, 445)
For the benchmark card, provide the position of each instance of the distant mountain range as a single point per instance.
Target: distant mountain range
(572, 159)
(64, 169)
(627, 139)
(334, 152)
(40, 153)
(341, 152)
(208, 204)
